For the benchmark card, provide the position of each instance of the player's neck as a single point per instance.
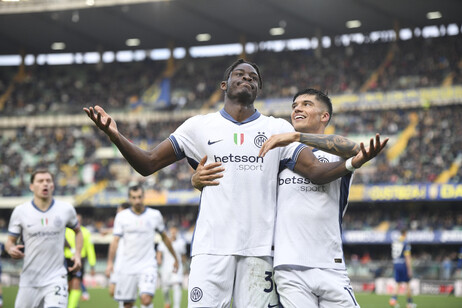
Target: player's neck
(239, 111)
(138, 210)
(43, 203)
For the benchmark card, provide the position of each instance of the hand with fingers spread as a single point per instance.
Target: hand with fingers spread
(103, 120)
(279, 140)
(366, 154)
(207, 175)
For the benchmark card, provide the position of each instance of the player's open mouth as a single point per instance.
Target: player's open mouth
(299, 117)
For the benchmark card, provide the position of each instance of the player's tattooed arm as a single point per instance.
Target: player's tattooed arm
(333, 144)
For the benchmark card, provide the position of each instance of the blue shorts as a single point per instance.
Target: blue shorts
(401, 274)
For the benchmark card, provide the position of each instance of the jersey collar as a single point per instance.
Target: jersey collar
(38, 209)
(253, 117)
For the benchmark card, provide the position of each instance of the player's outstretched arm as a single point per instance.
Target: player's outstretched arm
(207, 175)
(78, 248)
(320, 173)
(12, 249)
(333, 144)
(144, 162)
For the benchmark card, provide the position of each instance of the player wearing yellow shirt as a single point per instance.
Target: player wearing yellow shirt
(87, 254)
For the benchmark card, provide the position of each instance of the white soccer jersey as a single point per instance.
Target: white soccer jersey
(137, 234)
(237, 216)
(43, 236)
(179, 246)
(309, 218)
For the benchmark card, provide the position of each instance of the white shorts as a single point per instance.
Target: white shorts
(127, 285)
(53, 295)
(314, 287)
(215, 280)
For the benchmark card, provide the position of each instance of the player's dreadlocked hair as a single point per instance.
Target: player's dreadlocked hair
(320, 96)
(236, 63)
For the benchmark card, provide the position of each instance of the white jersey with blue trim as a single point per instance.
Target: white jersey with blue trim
(309, 218)
(137, 232)
(43, 235)
(237, 216)
(179, 246)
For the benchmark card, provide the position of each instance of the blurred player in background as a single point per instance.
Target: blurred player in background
(233, 238)
(136, 228)
(402, 268)
(172, 281)
(308, 257)
(113, 276)
(42, 223)
(87, 254)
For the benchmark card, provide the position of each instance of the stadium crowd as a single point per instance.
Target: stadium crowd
(43, 89)
(70, 152)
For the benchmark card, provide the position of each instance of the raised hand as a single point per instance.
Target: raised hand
(207, 175)
(103, 120)
(366, 154)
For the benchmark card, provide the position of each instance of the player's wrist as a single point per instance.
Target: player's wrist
(349, 165)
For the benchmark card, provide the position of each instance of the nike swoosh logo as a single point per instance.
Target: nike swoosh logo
(273, 306)
(212, 142)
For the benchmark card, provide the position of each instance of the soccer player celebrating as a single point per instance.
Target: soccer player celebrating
(136, 228)
(233, 239)
(41, 223)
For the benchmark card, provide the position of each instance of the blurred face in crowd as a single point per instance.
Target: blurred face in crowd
(242, 84)
(42, 186)
(309, 115)
(136, 198)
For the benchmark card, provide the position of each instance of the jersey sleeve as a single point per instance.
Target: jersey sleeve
(290, 153)
(184, 138)
(72, 221)
(14, 227)
(118, 229)
(159, 225)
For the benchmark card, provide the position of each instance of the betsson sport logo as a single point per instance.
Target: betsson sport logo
(304, 184)
(245, 162)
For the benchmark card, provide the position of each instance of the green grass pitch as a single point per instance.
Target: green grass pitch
(99, 298)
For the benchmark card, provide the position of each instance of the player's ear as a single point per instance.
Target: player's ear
(325, 117)
(224, 85)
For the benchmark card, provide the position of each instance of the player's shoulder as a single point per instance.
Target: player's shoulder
(153, 212)
(279, 124)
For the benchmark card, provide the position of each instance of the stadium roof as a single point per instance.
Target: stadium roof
(96, 25)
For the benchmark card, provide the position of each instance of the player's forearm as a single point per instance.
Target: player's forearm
(145, 162)
(112, 251)
(78, 244)
(319, 173)
(10, 242)
(333, 144)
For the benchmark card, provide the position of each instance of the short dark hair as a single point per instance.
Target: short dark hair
(240, 61)
(135, 188)
(320, 96)
(38, 171)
